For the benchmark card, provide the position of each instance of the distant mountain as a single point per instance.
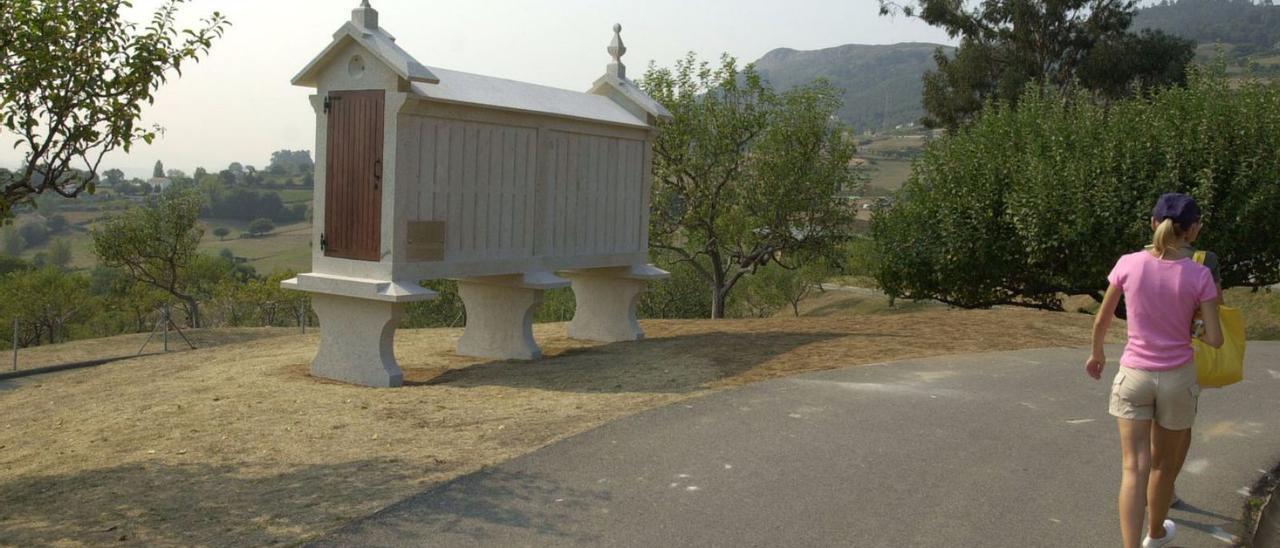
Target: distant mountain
(1237, 22)
(1244, 33)
(882, 84)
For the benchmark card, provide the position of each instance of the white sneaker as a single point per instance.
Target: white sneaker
(1170, 529)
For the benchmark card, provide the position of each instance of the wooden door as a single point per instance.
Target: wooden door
(353, 175)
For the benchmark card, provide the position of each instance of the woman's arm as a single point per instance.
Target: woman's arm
(1101, 324)
(1212, 325)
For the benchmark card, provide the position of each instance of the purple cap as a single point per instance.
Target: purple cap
(1182, 209)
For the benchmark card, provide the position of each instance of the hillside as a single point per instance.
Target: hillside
(882, 83)
(1239, 22)
(1245, 33)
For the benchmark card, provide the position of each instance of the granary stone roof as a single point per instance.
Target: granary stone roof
(612, 99)
(464, 87)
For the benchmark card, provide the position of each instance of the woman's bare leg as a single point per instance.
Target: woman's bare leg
(1166, 461)
(1135, 449)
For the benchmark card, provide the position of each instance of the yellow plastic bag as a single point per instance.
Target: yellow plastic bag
(1218, 367)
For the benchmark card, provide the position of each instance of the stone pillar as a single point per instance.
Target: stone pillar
(500, 315)
(356, 340)
(606, 302)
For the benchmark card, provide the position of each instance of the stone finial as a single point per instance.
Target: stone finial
(365, 16)
(616, 50)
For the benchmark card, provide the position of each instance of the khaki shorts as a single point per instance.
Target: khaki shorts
(1169, 397)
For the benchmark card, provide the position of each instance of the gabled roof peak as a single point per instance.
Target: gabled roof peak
(363, 29)
(615, 85)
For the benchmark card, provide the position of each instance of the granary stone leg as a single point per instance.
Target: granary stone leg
(356, 337)
(500, 315)
(606, 302)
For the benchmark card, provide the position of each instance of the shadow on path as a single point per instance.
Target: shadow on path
(676, 364)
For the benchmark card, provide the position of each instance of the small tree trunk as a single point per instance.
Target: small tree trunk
(193, 312)
(718, 298)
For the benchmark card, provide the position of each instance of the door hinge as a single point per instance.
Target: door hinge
(324, 242)
(328, 102)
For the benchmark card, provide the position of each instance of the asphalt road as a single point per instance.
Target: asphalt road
(1005, 449)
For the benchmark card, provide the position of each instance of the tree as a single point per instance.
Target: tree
(261, 226)
(200, 174)
(1036, 201)
(156, 244)
(58, 223)
(284, 161)
(35, 233)
(774, 287)
(46, 302)
(129, 304)
(113, 176)
(13, 242)
(76, 77)
(60, 253)
(158, 171)
(222, 232)
(1007, 44)
(744, 177)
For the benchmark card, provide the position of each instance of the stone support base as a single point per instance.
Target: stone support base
(500, 315)
(356, 340)
(606, 302)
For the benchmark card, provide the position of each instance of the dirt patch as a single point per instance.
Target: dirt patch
(239, 446)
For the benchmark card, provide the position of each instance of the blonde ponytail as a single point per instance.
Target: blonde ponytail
(1166, 238)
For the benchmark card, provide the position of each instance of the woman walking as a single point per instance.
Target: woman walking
(1154, 394)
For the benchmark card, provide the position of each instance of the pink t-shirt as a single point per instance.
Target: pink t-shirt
(1161, 297)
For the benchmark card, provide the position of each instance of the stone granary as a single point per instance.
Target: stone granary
(507, 187)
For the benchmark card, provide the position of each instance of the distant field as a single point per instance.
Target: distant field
(888, 174)
(891, 143)
(1268, 60)
(287, 247)
(889, 160)
(295, 196)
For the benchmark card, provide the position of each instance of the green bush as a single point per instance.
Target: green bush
(446, 310)
(774, 288)
(557, 306)
(1034, 202)
(684, 295)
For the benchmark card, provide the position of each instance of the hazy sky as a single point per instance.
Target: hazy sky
(238, 105)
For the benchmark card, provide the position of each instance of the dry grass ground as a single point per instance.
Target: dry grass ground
(237, 445)
(129, 345)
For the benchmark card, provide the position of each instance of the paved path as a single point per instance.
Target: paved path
(1006, 449)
